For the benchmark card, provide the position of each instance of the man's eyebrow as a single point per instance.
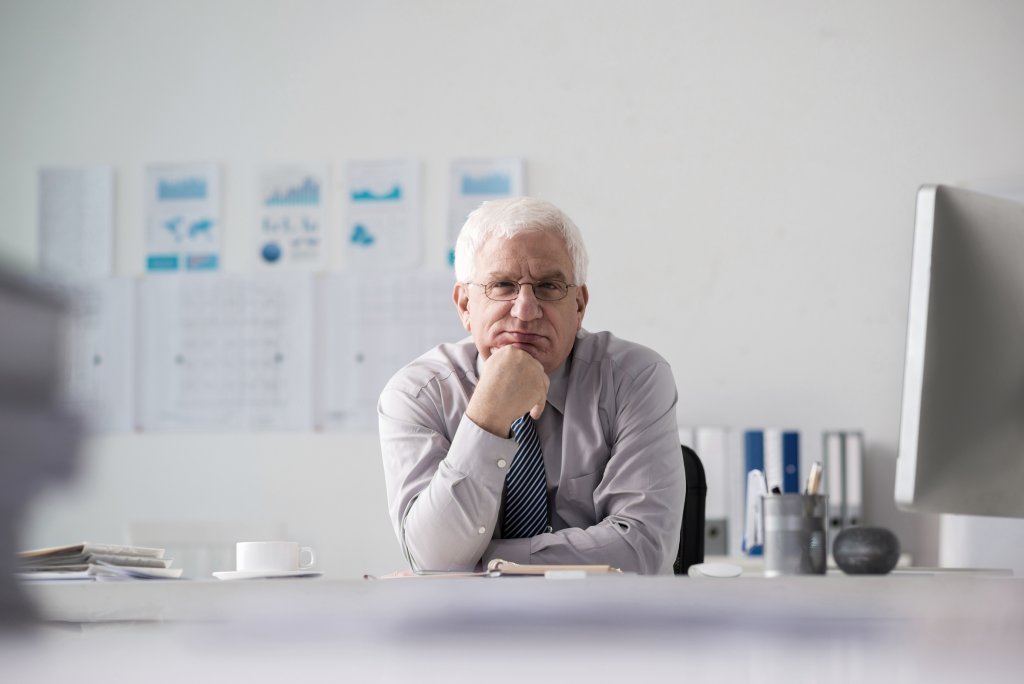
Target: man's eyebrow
(556, 274)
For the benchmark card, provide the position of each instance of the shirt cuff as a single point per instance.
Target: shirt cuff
(513, 550)
(480, 455)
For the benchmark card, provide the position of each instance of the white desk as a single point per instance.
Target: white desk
(835, 628)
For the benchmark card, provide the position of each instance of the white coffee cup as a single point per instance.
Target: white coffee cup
(272, 556)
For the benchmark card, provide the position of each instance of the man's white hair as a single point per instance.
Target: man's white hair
(509, 217)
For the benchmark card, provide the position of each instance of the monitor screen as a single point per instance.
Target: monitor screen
(961, 446)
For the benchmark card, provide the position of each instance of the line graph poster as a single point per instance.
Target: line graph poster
(183, 222)
(292, 215)
(381, 227)
(474, 181)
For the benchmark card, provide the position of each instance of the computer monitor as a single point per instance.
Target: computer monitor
(961, 446)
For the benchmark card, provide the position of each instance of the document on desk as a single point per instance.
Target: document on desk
(99, 572)
(498, 568)
(504, 567)
(87, 560)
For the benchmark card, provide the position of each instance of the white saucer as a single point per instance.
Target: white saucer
(264, 574)
(714, 570)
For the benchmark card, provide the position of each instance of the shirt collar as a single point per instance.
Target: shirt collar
(559, 385)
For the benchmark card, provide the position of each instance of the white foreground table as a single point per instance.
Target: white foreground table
(602, 628)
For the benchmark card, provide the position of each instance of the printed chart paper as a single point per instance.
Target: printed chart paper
(99, 358)
(292, 216)
(183, 222)
(381, 227)
(227, 352)
(76, 222)
(474, 181)
(374, 325)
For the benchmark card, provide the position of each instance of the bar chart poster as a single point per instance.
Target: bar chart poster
(381, 228)
(292, 216)
(474, 181)
(183, 218)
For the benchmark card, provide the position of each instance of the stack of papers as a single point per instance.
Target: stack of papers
(88, 561)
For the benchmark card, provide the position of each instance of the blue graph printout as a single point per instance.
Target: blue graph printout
(183, 217)
(474, 181)
(292, 213)
(381, 227)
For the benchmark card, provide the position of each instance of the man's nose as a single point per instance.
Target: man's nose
(526, 307)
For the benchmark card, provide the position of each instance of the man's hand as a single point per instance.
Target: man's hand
(512, 383)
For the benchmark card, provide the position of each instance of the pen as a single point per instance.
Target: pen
(814, 479)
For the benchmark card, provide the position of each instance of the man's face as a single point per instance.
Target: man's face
(545, 330)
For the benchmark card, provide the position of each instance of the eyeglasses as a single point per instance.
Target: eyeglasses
(507, 290)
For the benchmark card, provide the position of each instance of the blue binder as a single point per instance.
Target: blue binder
(791, 462)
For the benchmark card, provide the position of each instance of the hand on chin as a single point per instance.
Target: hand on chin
(530, 349)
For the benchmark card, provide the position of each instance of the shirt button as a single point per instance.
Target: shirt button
(502, 463)
(481, 529)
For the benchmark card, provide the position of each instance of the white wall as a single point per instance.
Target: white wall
(744, 173)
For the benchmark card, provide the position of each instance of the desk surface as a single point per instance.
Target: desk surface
(913, 628)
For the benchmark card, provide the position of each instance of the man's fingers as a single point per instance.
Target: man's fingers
(537, 410)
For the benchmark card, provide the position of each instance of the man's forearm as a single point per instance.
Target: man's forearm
(441, 494)
(449, 524)
(626, 544)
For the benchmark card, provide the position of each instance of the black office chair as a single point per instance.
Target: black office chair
(691, 536)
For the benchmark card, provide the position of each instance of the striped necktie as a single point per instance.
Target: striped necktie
(526, 491)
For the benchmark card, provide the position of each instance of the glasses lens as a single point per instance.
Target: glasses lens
(501, 290)
(550, 290)
(545, 290)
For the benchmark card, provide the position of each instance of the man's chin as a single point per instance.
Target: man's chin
(530, 349)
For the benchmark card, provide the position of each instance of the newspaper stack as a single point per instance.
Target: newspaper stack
(88, 561)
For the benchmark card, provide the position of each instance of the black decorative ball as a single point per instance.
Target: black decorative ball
(866, 550)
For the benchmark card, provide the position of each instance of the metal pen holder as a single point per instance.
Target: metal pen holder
(795, 537)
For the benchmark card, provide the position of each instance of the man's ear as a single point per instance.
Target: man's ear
(582, 298)
(460, 295)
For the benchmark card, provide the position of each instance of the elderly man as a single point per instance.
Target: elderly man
(532, 440)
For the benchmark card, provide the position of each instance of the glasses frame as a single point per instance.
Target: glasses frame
(486, 287)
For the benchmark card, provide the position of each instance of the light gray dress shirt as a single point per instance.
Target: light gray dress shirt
(611, 454)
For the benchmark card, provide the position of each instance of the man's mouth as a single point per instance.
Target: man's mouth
(513, 337)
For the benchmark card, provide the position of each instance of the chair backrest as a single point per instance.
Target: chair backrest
(691, 535)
